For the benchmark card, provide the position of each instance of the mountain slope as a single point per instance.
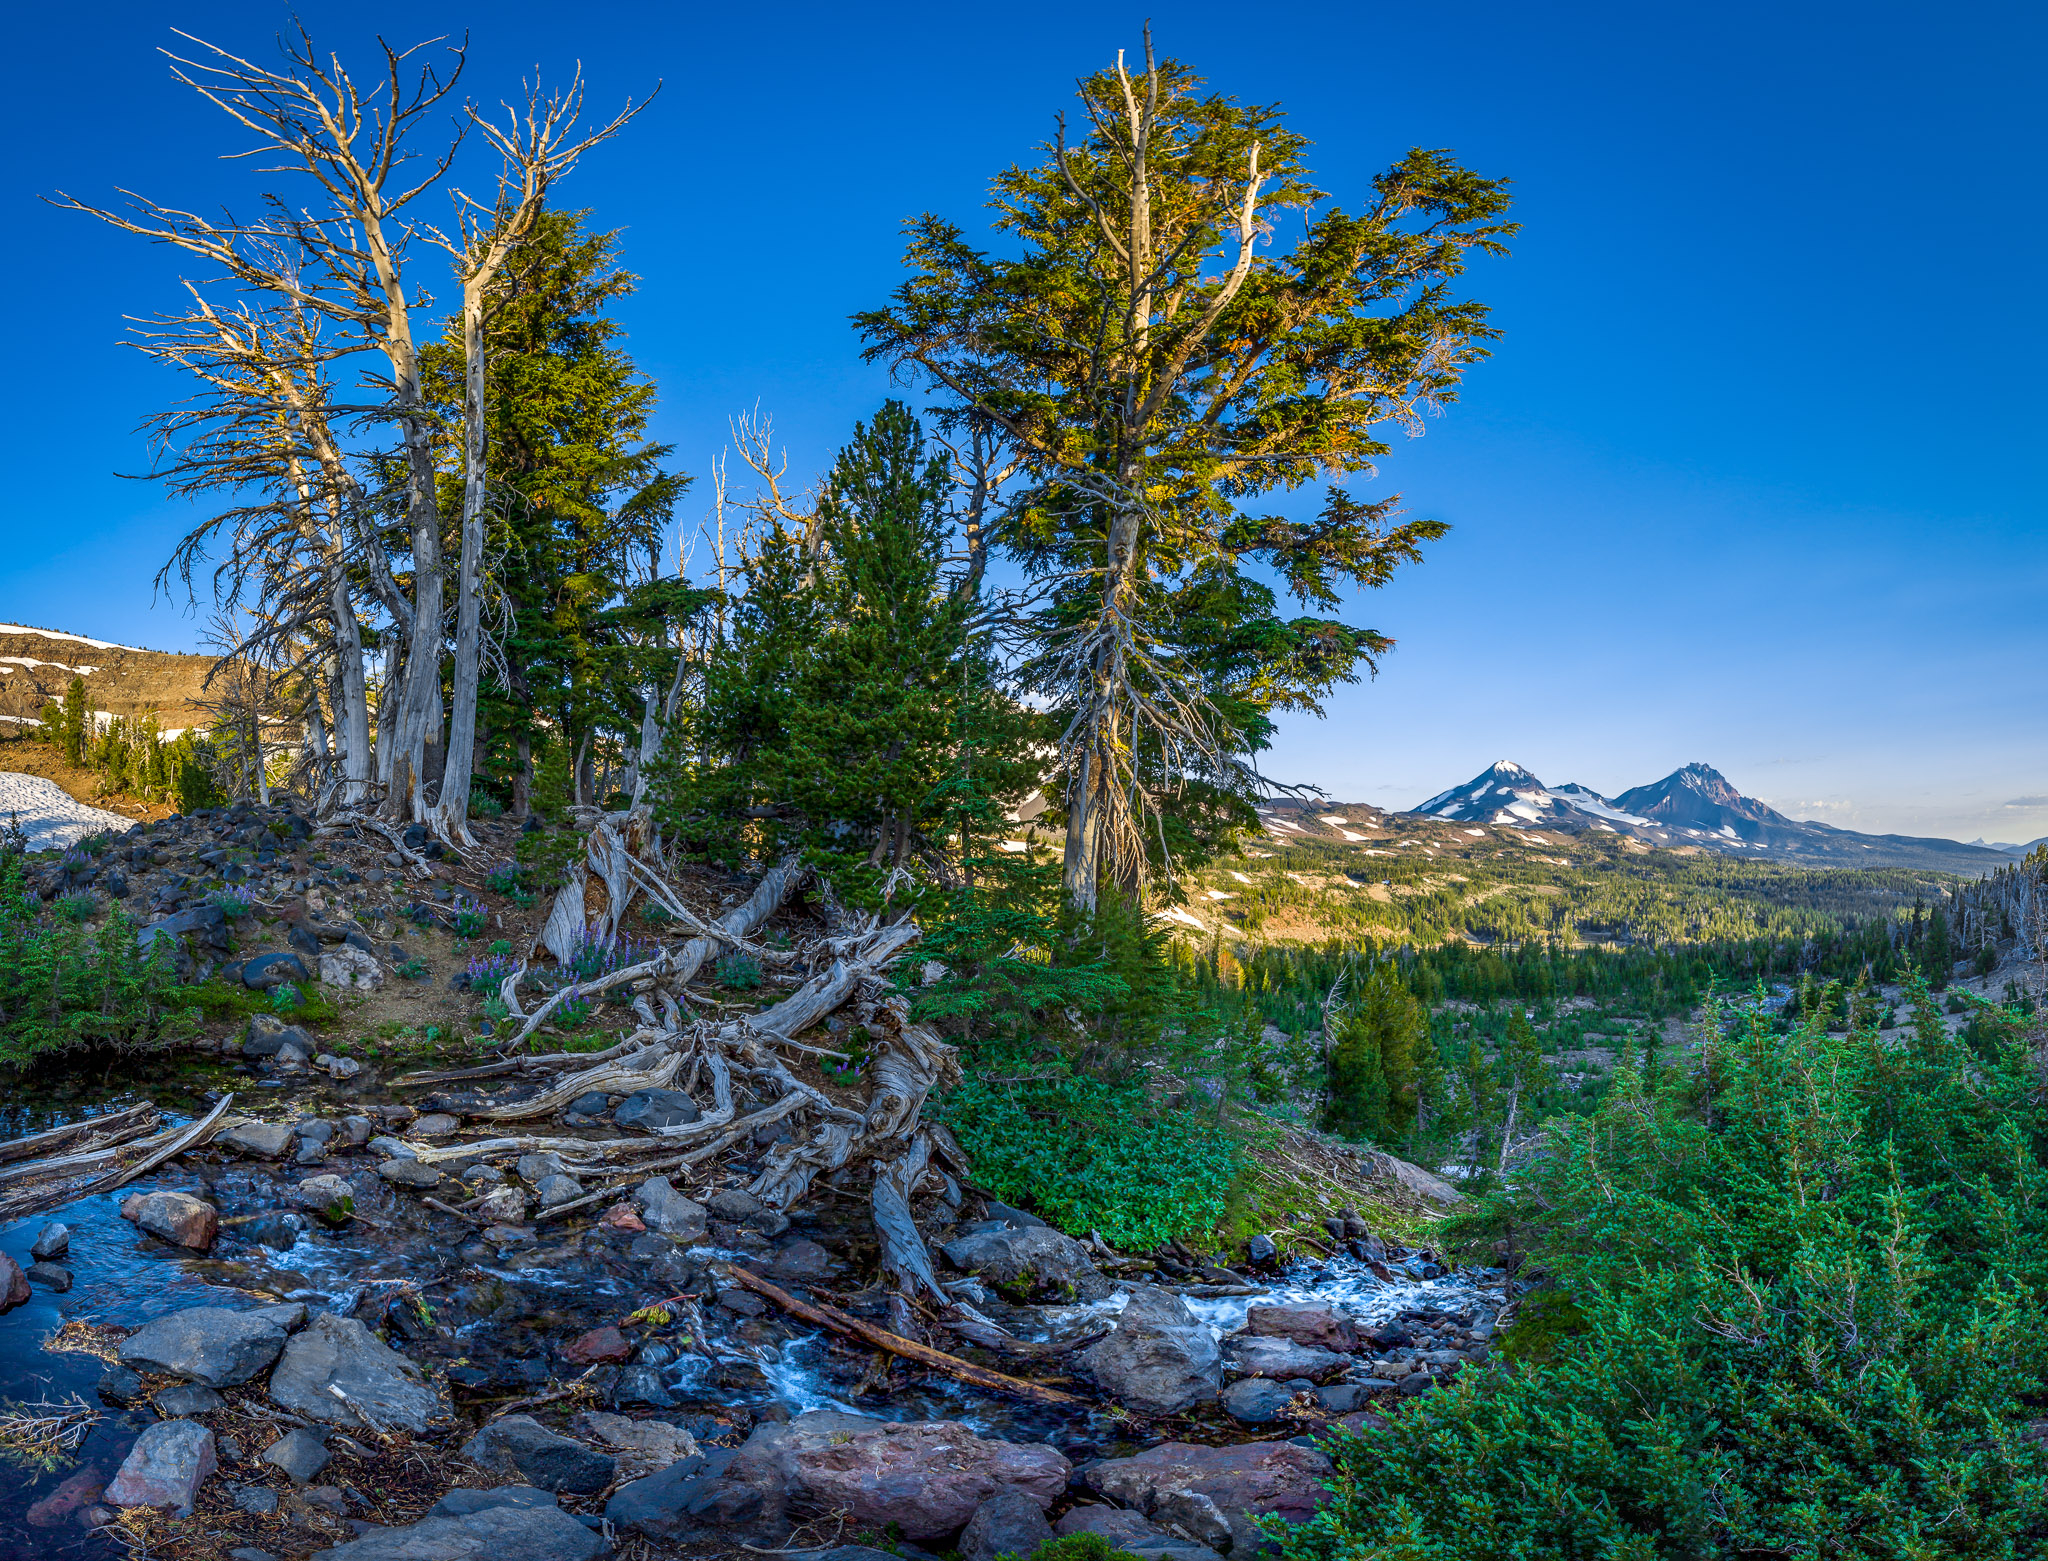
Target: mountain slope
(1693, 806)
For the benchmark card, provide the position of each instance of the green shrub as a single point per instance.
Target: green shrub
(77, 908)
(1806, 1280)
(483, 805)
(64, 985)
(412, 969)
(1077, 1547)
(284, 998)
(741, 972)
(1092, 1155)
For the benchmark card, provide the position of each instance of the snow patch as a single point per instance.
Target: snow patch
(77, 639)
(51, 816)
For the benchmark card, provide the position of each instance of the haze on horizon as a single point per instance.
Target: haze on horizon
(1752, 478)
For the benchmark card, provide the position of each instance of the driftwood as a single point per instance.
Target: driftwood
(111, 1127)
(882, 1339)
(32, 1186)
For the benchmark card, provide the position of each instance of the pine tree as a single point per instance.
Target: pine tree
(75, 723)
(1373, 1065)
(1937, 952)
(1523, 1072)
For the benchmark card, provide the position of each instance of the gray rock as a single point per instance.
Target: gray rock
(640, 1385)
(409, 1173)
(52, 1241)
(506, 1533)
(264, 1140)
(461, 1502)
(649, 1109)
(437, 1124)
(743, 1208)
(558, 1189)
(339, 1352)
(1160, 1360)
(165, 1468)
(593, 1104)
(302, 1454)
(533, 1167)
(1130, 1533)
(1345, 1398)
(1008, 1523)
(1258, 1355)
(257, 1500)
(685, 1500)
(330, 1197)
(521, 1445)
(393, 1148)
(187, 1399)
(121, 1386)
(270, 970)
(358, 1130)
(1034, 1257)
(51, 1276)
(1260, 1249)
(1257, 1400)
(669, 1212)
(176, 1217)
(208, 1344)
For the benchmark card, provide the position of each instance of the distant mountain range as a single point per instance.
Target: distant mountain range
(1695, 806)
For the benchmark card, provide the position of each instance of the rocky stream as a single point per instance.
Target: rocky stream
(373, 1318)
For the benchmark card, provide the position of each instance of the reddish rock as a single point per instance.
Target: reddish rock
(13, 1284)
(166, 1467)
(80, 1490)
(929, 1478)
(1316, 1326)
(621, 1216)
(1241, 1482)
(176, 1217)
(596, 1345)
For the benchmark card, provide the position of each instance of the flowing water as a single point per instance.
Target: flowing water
(500, 1316)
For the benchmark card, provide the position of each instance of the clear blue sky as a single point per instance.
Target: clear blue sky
(1754, 478)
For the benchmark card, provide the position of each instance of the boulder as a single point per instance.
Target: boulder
(558, 1189)
(186, 1399)
(264, 1140)
(461, 1502)
(1241, 1483)
(272, 970)
(350, 968)
(502, 1206)
(302, 1454)
(437, 1124)
(501, 1533)
(1344, 1398)
(1009, 1523)
(1132, 1534)
(669, 1212)
(1258, 1400)
(52, 1241)
(642, 1446)
(410, 1173)
(1414, 1178)
(685, 1501)
(176, 1217)
(14, 1286)
(122, 1387)
(1034, 1258)
(743, 1208)
(520, 1445)
(267, 1035)
(1161, 1358)
(1253, 1355)
(330, 1197)
(928, 1478)
(165, 1468)
(652, 1109)
(62, 1504)
(339, 1352)
(208, 1344)
(1318, 1327)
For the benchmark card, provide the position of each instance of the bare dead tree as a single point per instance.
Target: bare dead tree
(538, 144)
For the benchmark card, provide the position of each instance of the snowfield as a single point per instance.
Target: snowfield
(48, 814)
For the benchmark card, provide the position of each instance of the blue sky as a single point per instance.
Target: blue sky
(1754, 477)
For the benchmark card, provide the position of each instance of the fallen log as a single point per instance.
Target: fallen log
(136, 1118)
(881, 1339)
(36, 1185)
